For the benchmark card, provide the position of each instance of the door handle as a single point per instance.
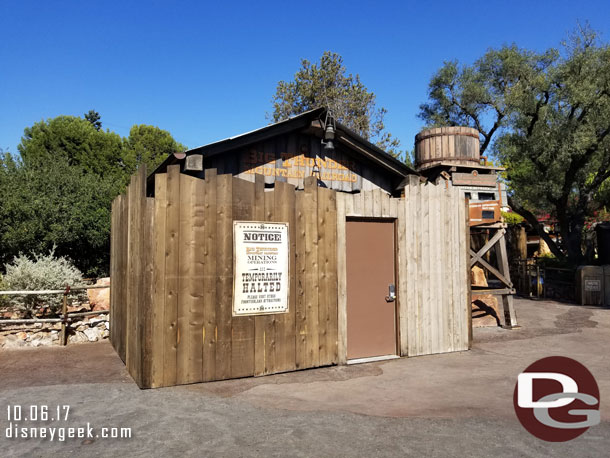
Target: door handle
(391, 297)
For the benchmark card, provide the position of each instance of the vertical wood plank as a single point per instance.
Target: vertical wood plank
(300, 306)
(209, 278)
(146, 309)
(113, 262)
(259, 321)
(377, 211)
(327, 268)
(421, 255)
(385, 205)
(411, 219)
(269, 322)
(357, 204)
(186, 264)
(402, 273)
(342, 200)
(331, 276)
(466, 298)
(348, 202)
(445, 272)
(130, 291)
(159, 279)
(123, 273)
(242, 342)
(285, 348)
(172, 250)
(312, 353)
(224, 273)
(368, 206)
(196, 303)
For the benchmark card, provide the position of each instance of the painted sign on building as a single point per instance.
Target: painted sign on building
(299, 166)
(260, 268)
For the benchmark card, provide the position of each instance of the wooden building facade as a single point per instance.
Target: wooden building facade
(377, 258)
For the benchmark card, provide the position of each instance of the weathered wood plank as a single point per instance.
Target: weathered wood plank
(158, 307)
(113, 261)
(327, 258)
(130, 299)
(421, 256)
(410, 253)
(312, 354)
(172, 261)
(133, 349)
(196, 281)
(285, 352)
(186, 264)
(224, 273)
(259, 321)
(342, 204)
(445, 269)
(300, 272)
(146, 304)
(463, 277)
(209, 278)
(269, 322)
(402, 274)
(123, 273)
(242, 345)
(332, 279)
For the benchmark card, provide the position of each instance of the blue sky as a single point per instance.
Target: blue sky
(207, 70)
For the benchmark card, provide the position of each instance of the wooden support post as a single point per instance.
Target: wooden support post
(64, 317)
(510, 317)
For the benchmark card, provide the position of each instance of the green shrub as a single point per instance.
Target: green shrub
(512, 218)
(42, 272)
(3, 299)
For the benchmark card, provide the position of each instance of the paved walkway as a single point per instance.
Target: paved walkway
(456, 404)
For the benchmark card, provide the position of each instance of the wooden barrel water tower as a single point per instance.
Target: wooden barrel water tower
(454, 145)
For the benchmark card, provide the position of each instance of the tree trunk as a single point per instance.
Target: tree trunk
(573, 241)
(531, 218)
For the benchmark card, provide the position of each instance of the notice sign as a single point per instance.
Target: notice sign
(593, 285)
(261, 267)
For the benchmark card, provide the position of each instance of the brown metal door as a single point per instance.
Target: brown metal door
(371, 319)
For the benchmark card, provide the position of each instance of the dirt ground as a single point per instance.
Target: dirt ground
(457, 404)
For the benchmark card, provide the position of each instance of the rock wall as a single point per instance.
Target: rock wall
(87, 329)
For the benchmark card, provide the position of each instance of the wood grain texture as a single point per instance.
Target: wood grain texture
(311, 280)
(158, 307)
(172, 260)
(242, 335)
(186, 264)
(327, 276)
(209, 278)
(224, 275)
(300, 305)
(344, 205)
(258, 214)
(146, 304)
(285, 351)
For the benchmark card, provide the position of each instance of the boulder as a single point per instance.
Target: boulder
(93, 334)
(78, 307)
(477, 277)
(485, 310)
(100, 298)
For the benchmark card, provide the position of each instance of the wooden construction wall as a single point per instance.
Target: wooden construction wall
(172, 279)
(131, 271)
(433, 274)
